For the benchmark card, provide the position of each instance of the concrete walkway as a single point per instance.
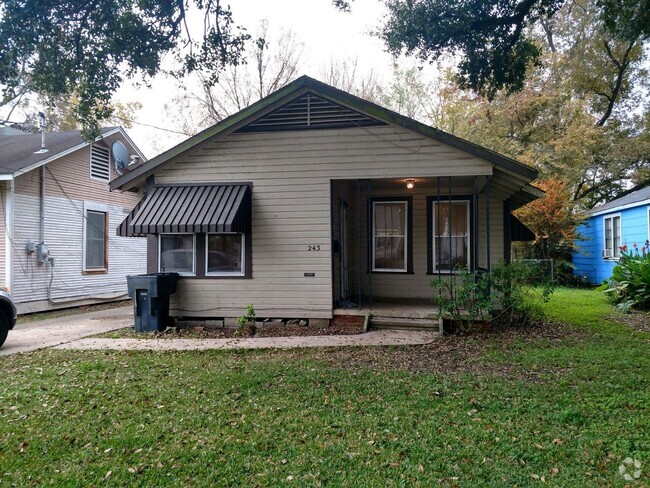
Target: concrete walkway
(74, 331)
(52, 332)
(372, 338)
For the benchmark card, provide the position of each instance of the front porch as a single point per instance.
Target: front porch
(392, 237)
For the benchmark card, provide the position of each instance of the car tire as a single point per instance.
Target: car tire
(4, 327)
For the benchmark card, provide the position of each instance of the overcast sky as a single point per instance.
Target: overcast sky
(325, 32)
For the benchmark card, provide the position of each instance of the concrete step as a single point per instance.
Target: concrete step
(405, 323)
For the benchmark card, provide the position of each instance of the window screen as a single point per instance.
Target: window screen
(95, 240)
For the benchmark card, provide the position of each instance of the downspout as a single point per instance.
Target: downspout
(42, 203)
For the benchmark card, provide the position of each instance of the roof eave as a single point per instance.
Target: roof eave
(304, 84)
(65, 152)
(228, 124)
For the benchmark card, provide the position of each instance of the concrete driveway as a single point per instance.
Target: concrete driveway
(62, 330)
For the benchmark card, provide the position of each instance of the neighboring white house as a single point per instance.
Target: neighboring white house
(58, 218)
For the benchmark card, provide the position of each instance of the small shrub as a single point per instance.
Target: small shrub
(246, 323)
(518, 292)
(629, 285)
(506, 294)
(463, 297)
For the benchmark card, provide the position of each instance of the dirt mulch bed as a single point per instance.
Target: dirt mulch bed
(451, 354)
(636, 320)
(268, 330)
(339, 326)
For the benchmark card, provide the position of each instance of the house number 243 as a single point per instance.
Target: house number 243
(313, 247)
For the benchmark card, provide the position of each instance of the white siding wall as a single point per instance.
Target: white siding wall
(64, 237)
(3, 231)
(67, 187)
(291, 173)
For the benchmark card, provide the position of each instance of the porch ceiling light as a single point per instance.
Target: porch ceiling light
(410, 183)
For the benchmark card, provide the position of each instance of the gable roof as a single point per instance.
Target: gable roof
(293, 91)
(639, 197)
(18, 152)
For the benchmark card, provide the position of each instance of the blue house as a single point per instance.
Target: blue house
(621, 222)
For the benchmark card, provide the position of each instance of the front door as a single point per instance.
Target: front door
(343, 243)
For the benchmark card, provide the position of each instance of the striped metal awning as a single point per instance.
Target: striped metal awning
(190, 209)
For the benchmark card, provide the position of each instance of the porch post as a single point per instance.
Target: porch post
(370, 242)
(474, 236)
(437, 231)
(507, 233)
(487, 219)
(357, 254)
(449, 217)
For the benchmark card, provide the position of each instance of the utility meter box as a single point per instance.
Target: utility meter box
(42, 253)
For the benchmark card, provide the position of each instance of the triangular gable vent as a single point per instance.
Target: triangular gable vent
(310, 112)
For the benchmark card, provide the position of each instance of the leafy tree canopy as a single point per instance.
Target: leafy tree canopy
(493, 37)
(583, 116)
(89, 47)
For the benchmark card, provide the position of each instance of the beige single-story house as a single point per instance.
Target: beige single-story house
(312, 199)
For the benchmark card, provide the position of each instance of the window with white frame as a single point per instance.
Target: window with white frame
(176, 253)
(451, 235)
(100, 163)
(225, 254)
(612, 233)
(95, 241)
(390, 236)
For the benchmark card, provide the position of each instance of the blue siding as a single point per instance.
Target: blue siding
(588, 260)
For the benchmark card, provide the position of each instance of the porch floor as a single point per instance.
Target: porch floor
(392, 309)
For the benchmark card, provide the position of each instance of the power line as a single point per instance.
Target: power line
(130, 121)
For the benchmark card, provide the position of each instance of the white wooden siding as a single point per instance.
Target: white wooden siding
(64, 237)
(291, 208)
(3, 232)
(67, 186)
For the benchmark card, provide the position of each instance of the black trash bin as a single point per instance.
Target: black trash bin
(150, 295)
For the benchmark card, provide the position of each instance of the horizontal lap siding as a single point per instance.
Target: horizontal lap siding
(67, 187)
(291, 207)
(588, 259)
(587, 251)
(64, 237)
(3, 232)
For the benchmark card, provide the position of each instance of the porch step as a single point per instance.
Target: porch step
(405, 323)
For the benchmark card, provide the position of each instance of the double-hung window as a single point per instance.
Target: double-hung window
(203, 255)
(95, 244)
(451, 234)
(390, 235)
(176, 254)
(612, 248)
(225, 254)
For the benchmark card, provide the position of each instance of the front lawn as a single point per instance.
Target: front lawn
(565, 404)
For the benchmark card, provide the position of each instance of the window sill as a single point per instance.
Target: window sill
(445, 272)
(388, 271)
(216, 277)
(94, 271)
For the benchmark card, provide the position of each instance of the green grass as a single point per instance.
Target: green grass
(267, 418)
